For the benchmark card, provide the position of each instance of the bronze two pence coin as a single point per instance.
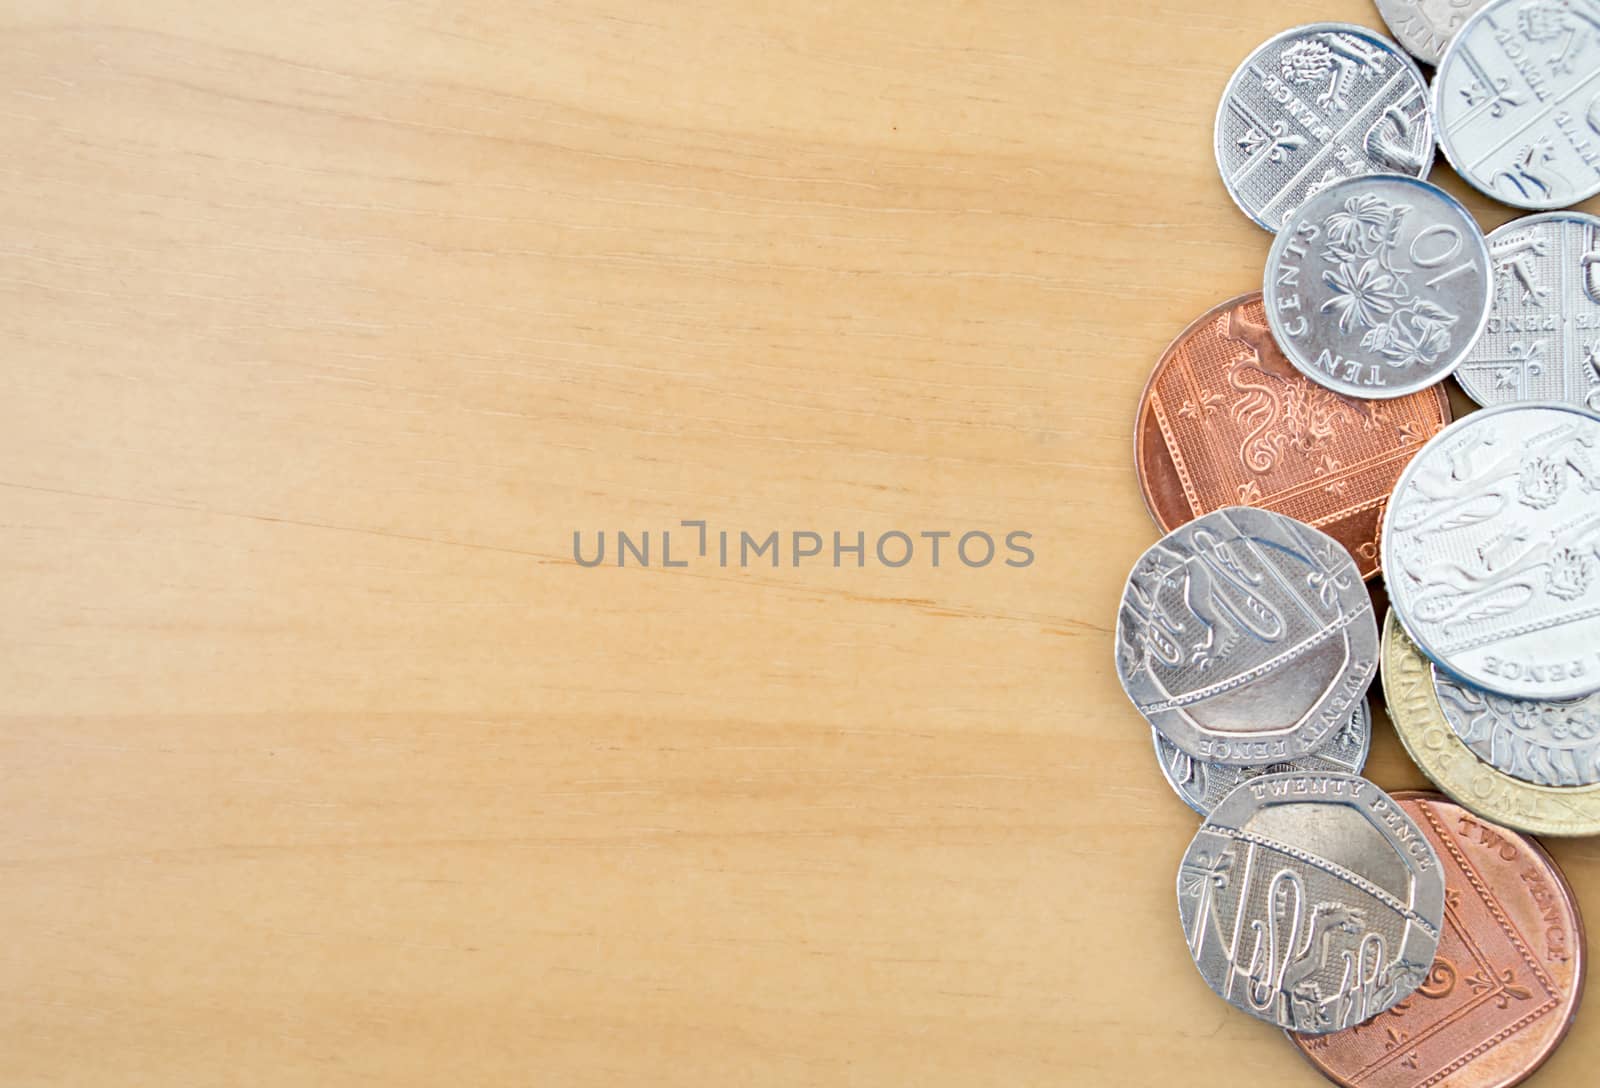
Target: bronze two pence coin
(1225, 420)
(1505, 983)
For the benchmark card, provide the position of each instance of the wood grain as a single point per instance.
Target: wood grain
(326, 324)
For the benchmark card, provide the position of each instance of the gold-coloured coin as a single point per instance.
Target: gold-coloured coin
(1450, 764)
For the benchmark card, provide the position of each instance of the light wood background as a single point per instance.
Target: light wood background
(325, 323)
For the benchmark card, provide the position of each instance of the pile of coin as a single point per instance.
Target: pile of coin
(1295, 444)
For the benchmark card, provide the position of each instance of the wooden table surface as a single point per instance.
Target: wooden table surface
(326, 325)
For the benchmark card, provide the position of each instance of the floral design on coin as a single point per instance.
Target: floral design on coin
(1420, 724)
(1316, 104)
(1425, 27)
(1311, 901)
(1246, 637)
(1225, 420)
(1491, 550)
(1543, 337)
(1378, 286)
(1554, 743)
(1517, 98)
(1203, 785)
(1505, 983)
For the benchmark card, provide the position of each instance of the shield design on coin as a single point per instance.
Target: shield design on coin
(1542, 342)
(1246, 637)
(1311, 901)
(1226, 420)
(1491, 550)
(1547, 743)
(1509, 99)
(1507, 979)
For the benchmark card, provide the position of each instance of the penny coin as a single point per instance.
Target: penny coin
(1203, 785)
(1226, 420)
(1543, 337)
(1450, 764)
(1545, 743)
(1505, 984)
(1517, 101)
(1378, 286)
(1491, 550)
(1316, 104)
(1246, 637)
(1425, 27)
(1311, 901)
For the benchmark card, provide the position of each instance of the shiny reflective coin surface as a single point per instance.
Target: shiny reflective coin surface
(1316, 104)
(1378, 286)
(1543, 337)
(1517, 101)
(1545, 743)
(1225, 420)
(1491, 551)
(1507, 979)
(1246, 637)
(1311, 901)
(1451, 765)
(1203, 785)
(1425, 27)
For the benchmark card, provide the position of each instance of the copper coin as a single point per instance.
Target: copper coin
(1226, 420)
(1505, 983)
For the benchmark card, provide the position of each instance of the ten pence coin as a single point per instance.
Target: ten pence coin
(1378, 286)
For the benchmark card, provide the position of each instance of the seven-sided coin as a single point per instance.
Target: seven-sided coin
(1246, 637)
(1311, 901)
(1203, 785)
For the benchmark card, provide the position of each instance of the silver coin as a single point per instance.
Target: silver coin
(1203, 785)
(1491, 550)
(1316, 104)
(1425, 27)
(1517, 101)
(1378, 286)
(1543, 337)
(1246, 637)
(1554, 743)
(1311, 901)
